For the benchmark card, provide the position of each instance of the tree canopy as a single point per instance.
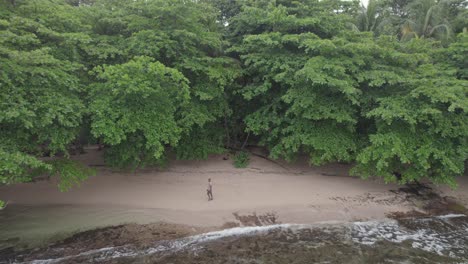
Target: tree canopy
(383, 87)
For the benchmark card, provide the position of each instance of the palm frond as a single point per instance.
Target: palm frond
(444, 27)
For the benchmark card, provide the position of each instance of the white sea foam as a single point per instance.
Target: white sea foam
(450, 216)
(447, 242)
(173, 245)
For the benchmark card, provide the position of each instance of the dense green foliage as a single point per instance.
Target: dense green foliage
(138, 109)
(383, 86)
(241, 159)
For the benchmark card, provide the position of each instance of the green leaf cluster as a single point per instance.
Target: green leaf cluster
(241, 159)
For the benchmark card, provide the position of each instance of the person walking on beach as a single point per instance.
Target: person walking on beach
(209, 190)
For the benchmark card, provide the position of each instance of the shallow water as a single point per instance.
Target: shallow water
(32, 226)
(441, 239)
(24, 226)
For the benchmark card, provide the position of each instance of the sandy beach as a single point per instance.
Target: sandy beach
(134, 211)
(294, 193)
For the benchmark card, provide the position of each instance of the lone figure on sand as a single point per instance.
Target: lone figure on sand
(209, 190)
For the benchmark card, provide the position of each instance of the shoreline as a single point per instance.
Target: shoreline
(159, 241)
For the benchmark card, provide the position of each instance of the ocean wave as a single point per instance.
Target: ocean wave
(444, 235)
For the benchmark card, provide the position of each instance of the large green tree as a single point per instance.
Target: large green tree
(139, 108)
(297, 108)
(41, 110)
(418, 111)
(183, 35)
(345, 96)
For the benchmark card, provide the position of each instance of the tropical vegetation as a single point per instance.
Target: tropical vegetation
(383, 87)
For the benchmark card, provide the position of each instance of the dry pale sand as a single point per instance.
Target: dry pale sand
(296, 193)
